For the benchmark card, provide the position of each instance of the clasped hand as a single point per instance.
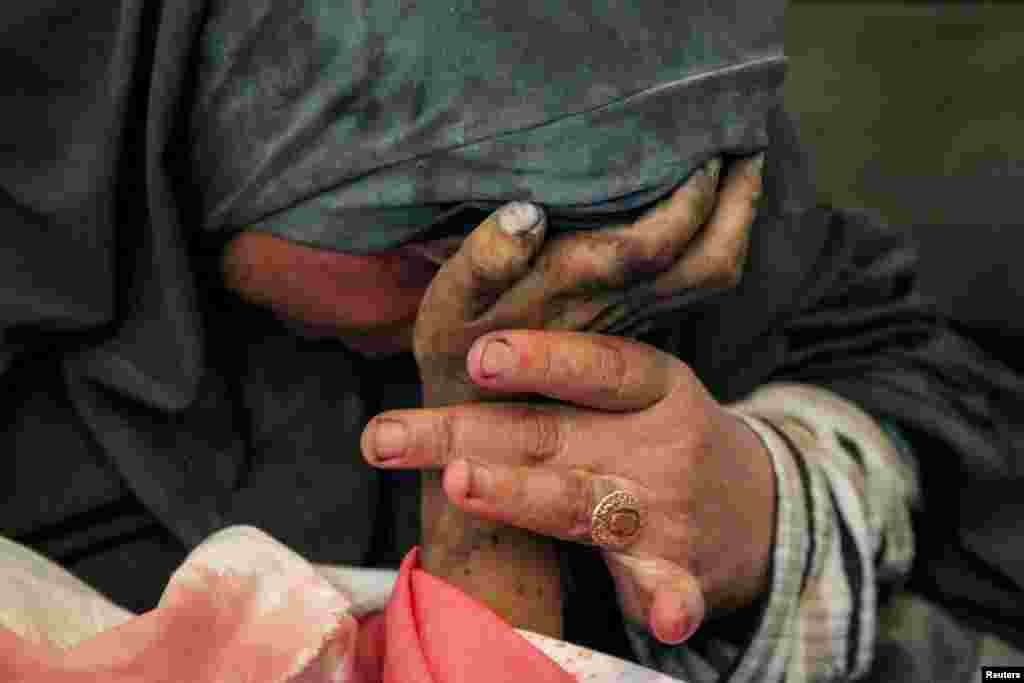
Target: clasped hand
(534, 416)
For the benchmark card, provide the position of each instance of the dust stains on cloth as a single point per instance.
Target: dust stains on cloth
(353, 127)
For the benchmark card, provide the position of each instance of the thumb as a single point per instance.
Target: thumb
(658, 593)
(492, 258)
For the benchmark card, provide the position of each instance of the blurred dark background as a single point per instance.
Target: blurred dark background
(916, 110)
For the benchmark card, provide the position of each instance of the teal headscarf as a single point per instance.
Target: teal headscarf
(360, 126)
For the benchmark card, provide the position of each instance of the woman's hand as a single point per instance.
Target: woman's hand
(630, 418)
(504, 276)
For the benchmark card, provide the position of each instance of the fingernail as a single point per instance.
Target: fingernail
(481, 480)
(712, 168)
(497, 357)
(390, 438)
(680, 632)
(756, 166)
(518, 218)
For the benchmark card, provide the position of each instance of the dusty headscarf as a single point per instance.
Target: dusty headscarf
(358, 126)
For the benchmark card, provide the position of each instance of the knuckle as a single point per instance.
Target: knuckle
(646, 257)
(580, 499)
(609, 369)
(585, 264)
(554, 267)
(603, 369)
(445, 437)
(544, 436)
(546, 363)
(571, 265)
(611, 266)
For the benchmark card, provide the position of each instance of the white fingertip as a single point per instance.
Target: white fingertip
(517, 218)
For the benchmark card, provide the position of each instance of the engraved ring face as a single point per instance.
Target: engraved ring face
(616, 521)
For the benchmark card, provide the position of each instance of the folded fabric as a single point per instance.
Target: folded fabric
(431, 632)
(245, 608)
(242, 607)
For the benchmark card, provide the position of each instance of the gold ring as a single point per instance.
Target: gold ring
(616, 521)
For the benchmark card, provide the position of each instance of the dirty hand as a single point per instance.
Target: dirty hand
(632, 418)
(505, 276)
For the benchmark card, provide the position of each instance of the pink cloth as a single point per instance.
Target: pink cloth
(432, 632)
(243, 608)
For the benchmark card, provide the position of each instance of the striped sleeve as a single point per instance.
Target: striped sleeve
(845, 489)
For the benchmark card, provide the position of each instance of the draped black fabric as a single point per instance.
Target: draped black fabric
(144, 408)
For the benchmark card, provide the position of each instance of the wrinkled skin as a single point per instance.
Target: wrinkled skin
(548, 467)
(576, 282)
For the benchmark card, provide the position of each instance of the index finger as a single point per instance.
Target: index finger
(612, 258)
(654, 241)
(591, 370)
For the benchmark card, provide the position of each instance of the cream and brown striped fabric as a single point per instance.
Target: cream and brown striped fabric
(843, 528)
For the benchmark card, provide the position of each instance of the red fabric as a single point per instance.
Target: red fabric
(276, 620)
(434, 633)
